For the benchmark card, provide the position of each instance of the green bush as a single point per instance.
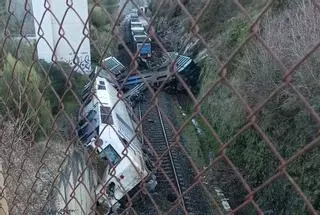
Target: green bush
(100, 44)
(23, 50)
(98, 17)
(100, 29)
(152, 5)
(59, 83)
(255, 74)
(22, 99)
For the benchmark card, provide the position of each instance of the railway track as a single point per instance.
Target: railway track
(172, 169)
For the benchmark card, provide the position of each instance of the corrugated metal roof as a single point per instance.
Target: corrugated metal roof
(136, 25)
(181, 61)
(138, 32)
(112, 64)
(141, 38)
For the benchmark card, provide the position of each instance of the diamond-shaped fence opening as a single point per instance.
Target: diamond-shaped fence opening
(159, 107)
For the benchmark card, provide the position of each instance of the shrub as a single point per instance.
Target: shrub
(59, 82)
(286, 121)
(20, 97)
(100, 44)
(98, 17)
(23, 50)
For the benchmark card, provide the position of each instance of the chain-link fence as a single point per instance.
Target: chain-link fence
(159, 107)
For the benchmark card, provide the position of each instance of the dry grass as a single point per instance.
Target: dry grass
(29, 169)
(292, 32)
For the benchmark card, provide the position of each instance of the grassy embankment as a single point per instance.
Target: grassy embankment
(289, 28)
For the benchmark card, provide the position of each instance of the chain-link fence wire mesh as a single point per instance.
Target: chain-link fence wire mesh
(243, 139)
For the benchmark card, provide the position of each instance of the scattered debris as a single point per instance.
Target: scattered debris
(196, 125)
(223, 199)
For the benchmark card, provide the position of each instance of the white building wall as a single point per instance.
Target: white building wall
(43, 30)
(64, 29)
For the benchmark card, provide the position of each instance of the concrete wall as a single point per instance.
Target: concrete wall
(62, 28)
(75, 191)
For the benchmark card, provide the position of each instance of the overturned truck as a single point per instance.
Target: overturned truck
(175, 70)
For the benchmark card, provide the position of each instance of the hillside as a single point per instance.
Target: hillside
(284, 123)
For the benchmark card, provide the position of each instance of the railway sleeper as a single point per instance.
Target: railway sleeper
(167, 167)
